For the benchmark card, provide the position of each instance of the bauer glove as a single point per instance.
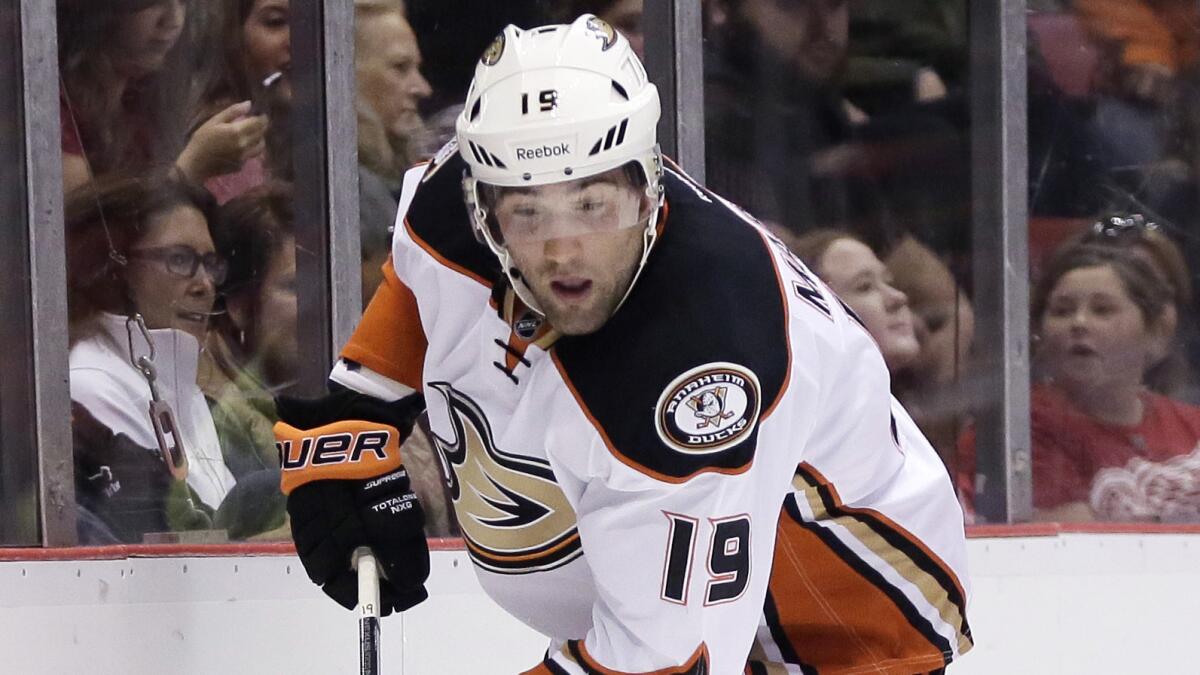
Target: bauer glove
(346, 487)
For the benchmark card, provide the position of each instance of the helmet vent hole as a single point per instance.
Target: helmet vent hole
(475, 108)
(484, 157)
(614, 137)
(620, 90)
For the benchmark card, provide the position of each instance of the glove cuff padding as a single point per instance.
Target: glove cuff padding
(350, 450)
(343, 436)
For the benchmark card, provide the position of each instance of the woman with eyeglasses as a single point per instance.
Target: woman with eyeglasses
(142, 279)
(1105, 447)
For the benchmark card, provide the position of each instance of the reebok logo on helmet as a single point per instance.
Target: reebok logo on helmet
(544, 151)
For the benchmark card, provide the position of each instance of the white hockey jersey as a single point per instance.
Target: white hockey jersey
(716, 481)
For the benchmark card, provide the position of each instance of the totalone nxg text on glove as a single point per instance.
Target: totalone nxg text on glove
(346, 487)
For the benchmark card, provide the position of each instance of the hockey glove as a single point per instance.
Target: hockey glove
(347, 487)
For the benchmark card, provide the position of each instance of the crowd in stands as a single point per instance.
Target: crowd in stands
(843, 125)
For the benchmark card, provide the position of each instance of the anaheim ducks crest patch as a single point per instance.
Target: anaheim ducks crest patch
(708, 408)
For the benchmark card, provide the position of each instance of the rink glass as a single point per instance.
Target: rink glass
(886, 151)
(18, 455)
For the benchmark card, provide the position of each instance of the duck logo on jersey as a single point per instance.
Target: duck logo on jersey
(709, 408)
(514, 517)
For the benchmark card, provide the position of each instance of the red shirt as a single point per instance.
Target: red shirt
(78, 134)
(1147, 471)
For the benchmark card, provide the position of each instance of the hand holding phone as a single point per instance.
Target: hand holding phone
(262, 97)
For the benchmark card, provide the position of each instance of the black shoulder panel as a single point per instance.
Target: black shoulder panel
(439, 219)
(679, 377)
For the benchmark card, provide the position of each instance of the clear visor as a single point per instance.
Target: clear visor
(607, 202)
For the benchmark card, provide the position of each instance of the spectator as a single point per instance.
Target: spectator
(390, 87)
(1104, 447)
(142, 247)
(943, 317)
(1170, 373)
(1153, 41)
(390, 128)
(117, 110)
(252, 353)
(864, 283)
(256, 39)
(925, 343)
(773, 99)
(259, 327)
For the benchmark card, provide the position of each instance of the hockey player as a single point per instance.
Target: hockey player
(669, 446)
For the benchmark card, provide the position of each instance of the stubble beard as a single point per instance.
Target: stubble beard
(590, 317)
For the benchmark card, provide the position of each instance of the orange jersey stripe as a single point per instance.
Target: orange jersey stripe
(390, 340)
(412, 233)
(835, 620)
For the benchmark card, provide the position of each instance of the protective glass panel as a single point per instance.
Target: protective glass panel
(18, 458)
(177, 176)
(1113, 249)
(843, 127)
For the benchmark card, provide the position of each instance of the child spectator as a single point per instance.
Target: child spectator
(141, 247)
(119, 96)
(1104, 446)
(1170, 374)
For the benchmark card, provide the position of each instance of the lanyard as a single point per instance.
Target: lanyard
(162, 418)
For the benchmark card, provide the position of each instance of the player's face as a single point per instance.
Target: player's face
(576, 245)
(854, 272)
(1093, 335)
(165, 296)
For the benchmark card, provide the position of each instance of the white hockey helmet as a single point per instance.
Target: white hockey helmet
(554, 104)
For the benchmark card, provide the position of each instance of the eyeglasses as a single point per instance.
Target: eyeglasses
(183, 261)
(1118, 227)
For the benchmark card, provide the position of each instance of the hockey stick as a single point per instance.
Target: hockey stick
(368, 610)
